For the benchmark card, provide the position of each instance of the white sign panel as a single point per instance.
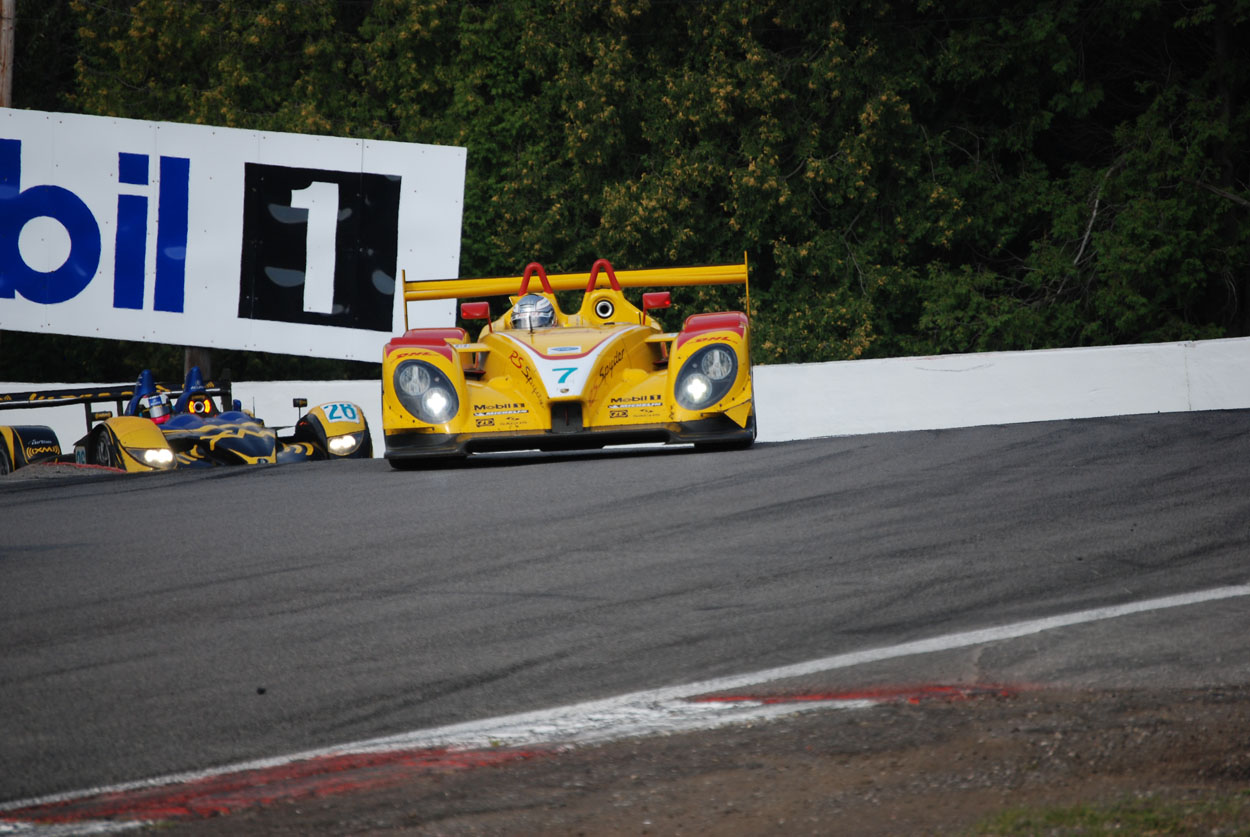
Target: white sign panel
(191, 235)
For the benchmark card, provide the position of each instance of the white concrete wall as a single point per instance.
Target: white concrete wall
(921, 393)
(809, 400)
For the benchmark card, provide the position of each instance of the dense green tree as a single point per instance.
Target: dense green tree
(45, 45)
(907, 176)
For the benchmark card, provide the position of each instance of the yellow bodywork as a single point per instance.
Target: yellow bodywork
(132, 443)
(604, 374)
(26, 444)
(248, 443)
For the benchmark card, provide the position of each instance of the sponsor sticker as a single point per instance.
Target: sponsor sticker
(504, 409)
(635, 401)
(407, 353)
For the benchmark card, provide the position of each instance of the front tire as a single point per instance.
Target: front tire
(6, 466)
(104, 453)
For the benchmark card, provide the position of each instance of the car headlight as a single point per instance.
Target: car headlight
(718, 363)
(156, 457)
(706, 376)
(426, 392)
(344, 444)
(412, 378)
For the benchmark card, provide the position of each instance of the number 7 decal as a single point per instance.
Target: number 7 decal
(567, 370)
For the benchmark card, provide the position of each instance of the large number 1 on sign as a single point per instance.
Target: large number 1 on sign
(322, 202)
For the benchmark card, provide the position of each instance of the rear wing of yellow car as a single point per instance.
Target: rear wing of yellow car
(600, 272)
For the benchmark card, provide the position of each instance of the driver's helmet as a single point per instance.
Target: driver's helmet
(147, 401)
(533, 311)
(156, 407)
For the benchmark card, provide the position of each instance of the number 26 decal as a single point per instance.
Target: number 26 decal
(341, 412)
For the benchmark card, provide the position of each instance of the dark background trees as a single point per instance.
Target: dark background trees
(907, 177)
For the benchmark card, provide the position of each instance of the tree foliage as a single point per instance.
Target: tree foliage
(907, 176)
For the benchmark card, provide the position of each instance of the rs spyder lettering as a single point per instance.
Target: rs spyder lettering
(609, 367)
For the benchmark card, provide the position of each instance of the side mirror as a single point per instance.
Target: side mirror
(475, 310)
(659, 299)
(299, 403)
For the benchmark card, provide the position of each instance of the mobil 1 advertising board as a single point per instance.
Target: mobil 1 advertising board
(192, 235)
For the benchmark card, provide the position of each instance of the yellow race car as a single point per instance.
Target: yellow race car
(537, 378)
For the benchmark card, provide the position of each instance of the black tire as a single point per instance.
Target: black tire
(6, 465)
(104, 453)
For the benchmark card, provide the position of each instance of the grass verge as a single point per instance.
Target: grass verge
(1208, 814)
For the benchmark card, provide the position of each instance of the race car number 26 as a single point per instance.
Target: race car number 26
(341, 412)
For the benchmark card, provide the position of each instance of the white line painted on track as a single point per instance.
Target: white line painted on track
(74, 829)
(643, 713)
(665, 710)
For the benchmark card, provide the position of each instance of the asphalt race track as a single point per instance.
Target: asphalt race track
(170, 622)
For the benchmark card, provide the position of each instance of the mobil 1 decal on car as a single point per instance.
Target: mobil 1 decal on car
(219, 237)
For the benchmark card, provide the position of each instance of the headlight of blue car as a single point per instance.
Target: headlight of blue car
(154, 457)
(706, 377)
(344, 444)
(426, 392)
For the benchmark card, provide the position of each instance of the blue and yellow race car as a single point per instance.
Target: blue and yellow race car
(159, 429)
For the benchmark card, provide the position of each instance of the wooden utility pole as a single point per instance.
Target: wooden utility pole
(196, 356)
(8, 19)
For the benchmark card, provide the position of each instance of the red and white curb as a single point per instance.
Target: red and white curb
(390, 760)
